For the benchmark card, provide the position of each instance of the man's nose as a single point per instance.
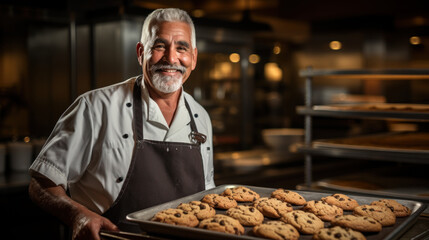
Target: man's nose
(171, 56)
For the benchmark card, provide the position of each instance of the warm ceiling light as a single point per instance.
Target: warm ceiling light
(335, 45)
(273, 72)
(198, 13)
(414, 40)
(254, 58)
(277, 49)
(234, 57)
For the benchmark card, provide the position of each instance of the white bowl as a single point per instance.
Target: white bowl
(282, 138)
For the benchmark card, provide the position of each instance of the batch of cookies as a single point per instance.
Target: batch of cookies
(285, 222)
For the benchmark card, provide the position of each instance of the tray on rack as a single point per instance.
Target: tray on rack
(395, 182)
(413, 142)
(414, 112)
(380, 107)
(143, 217)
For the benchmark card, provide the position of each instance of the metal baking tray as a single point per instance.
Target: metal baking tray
(142, 217)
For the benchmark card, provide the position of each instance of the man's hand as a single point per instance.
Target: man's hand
(88, 226)
(53, 199)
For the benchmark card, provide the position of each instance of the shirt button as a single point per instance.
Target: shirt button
(120, 179)
(196, 115)
(129, 104)
(125, 135)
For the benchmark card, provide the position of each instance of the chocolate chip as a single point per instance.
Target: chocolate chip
(251, 209)
(202, 206)
(341, 199)
(177, 215)
(309, 221)
(372, 222)
(364, 208)
(222, 222)
(371, 209)
(337, 235)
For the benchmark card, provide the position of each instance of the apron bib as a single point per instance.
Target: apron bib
(159, 171)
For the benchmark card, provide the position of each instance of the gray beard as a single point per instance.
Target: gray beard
(166, 84)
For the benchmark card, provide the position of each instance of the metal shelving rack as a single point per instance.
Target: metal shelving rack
(309, 111)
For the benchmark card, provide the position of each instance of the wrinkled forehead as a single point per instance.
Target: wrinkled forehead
(174, 31)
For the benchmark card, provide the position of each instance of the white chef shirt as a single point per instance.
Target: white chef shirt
(90, 148)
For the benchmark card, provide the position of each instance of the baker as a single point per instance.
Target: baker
(131, 145)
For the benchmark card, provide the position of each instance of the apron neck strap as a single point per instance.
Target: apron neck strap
(137, 108)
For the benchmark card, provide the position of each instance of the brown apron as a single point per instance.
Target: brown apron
(159, 171)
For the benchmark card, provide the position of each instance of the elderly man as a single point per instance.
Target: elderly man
(131, 145)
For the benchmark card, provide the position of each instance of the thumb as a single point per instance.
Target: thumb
(108, 225)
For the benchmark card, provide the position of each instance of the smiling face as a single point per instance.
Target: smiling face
(172, 57)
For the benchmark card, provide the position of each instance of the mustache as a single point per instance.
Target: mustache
(155, 68)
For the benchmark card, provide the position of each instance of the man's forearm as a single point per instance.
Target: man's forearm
(54, 200)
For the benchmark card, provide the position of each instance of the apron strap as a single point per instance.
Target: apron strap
(193, 125)
(195, 136)
(138, 113)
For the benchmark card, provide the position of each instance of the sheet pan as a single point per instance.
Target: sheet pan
(143, 217)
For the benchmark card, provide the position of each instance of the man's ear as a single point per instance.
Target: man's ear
(194, 62)
(140, 52)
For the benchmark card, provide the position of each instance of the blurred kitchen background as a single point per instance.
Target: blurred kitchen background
(247, 75)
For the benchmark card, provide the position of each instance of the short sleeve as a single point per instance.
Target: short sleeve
(67, 151)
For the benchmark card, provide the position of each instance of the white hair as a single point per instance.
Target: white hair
(150, 26)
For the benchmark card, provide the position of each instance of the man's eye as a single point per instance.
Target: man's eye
(159, 46)
(182, 49)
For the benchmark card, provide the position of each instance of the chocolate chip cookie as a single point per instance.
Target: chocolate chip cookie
(222, 223)
(277, 230)
(272, 207)
(323, 210)
(382, 214)
(358, 223)
(288, 196)
(304, 222)
(241, 194)
(398, 209)
(176, 217)
(246, 215)
(199, 209)
(218, 201)
(341, 200)
(338, 233)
